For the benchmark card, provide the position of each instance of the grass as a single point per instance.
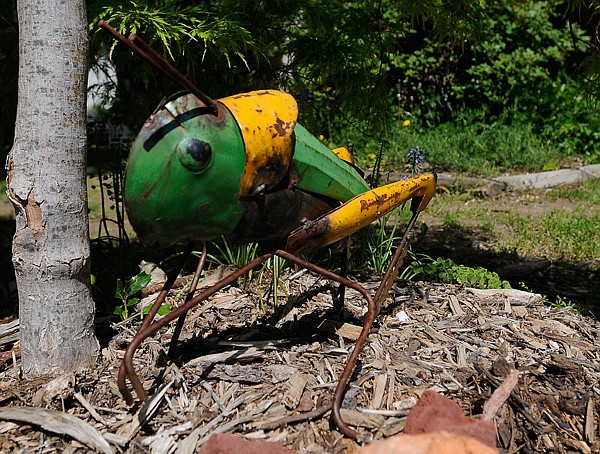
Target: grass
(568, 230)
(588, 192)
(557, 235)
(465, 147)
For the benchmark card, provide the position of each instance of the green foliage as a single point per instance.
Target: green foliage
(331, 55)
(560, 234)
(376, 243)
(589, 191)
(558, 303)
(488, 149)
(126, 291)
(200, 43)
(228, 253)
(273, 267)
(176, 29)
(525, 48)
(446, 270)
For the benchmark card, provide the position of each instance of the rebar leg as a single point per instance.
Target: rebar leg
(340, 389)
(190, 295)
(373, 308)
(152, 326)
(126, 368)
(340, 296)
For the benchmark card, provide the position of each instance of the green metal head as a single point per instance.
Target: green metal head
(183, 174)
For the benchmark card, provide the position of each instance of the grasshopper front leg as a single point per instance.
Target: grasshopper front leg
(342, 222)
(361, 211)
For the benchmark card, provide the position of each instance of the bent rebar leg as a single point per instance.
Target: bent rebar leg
(340, 295)
(160, 299)
(150, 327)
(373, 308)
(190, 295)
(340, 389)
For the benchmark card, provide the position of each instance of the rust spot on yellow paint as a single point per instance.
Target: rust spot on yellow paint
(266, 119)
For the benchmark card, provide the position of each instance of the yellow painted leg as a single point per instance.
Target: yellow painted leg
(361, 211)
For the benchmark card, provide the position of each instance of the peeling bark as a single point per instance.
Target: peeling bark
(46, 184)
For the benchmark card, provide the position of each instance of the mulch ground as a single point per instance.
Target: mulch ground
(244, 365)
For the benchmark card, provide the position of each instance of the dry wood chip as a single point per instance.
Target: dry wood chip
(58, 422)
(346, 330)
(252, 373)
(296, 385)
(379, 385)
(226, 428)
(360, 419)
(493, 404)
(144, 414)
(83, 401)
(590, 422)
(163, 444)
(280, 372)
(542, 326)
(516, 296)
(188, 444)
(9, 332)
(455, 306)
(232, 355)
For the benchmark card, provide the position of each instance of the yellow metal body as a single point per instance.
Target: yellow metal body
(266, 119)
(366, 208)
(344, 154)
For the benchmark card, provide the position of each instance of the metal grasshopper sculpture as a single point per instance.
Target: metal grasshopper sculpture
(242, 167)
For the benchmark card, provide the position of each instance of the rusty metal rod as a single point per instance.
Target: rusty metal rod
(124, 369)
(392, 272)
(127, 370)
(190, 295)
(340, 389)
(140, 47)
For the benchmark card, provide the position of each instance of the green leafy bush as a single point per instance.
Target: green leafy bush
(446, 270)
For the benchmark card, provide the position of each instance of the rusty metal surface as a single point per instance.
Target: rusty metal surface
(266, 119)
(360, 212)
(268, 219)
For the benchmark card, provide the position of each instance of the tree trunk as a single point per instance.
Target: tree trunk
(47, 185)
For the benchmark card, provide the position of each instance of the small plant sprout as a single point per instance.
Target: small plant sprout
(126, 289)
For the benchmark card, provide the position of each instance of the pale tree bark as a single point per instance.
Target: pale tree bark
(46, 183)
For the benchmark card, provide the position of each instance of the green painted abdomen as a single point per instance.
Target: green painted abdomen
(320, 171)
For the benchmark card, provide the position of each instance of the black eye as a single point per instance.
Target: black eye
(194, 154)
(199, 150)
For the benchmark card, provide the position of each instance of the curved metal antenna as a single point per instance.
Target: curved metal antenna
(140, 47)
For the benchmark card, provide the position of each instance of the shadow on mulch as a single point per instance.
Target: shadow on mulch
(578, 283)
(557, 280)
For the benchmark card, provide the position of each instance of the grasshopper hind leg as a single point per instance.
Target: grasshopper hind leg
(340, 295)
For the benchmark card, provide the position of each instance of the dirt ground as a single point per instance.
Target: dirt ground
(247, 368)
(469, 244)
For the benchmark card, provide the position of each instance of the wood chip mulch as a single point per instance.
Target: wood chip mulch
(245, 366)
